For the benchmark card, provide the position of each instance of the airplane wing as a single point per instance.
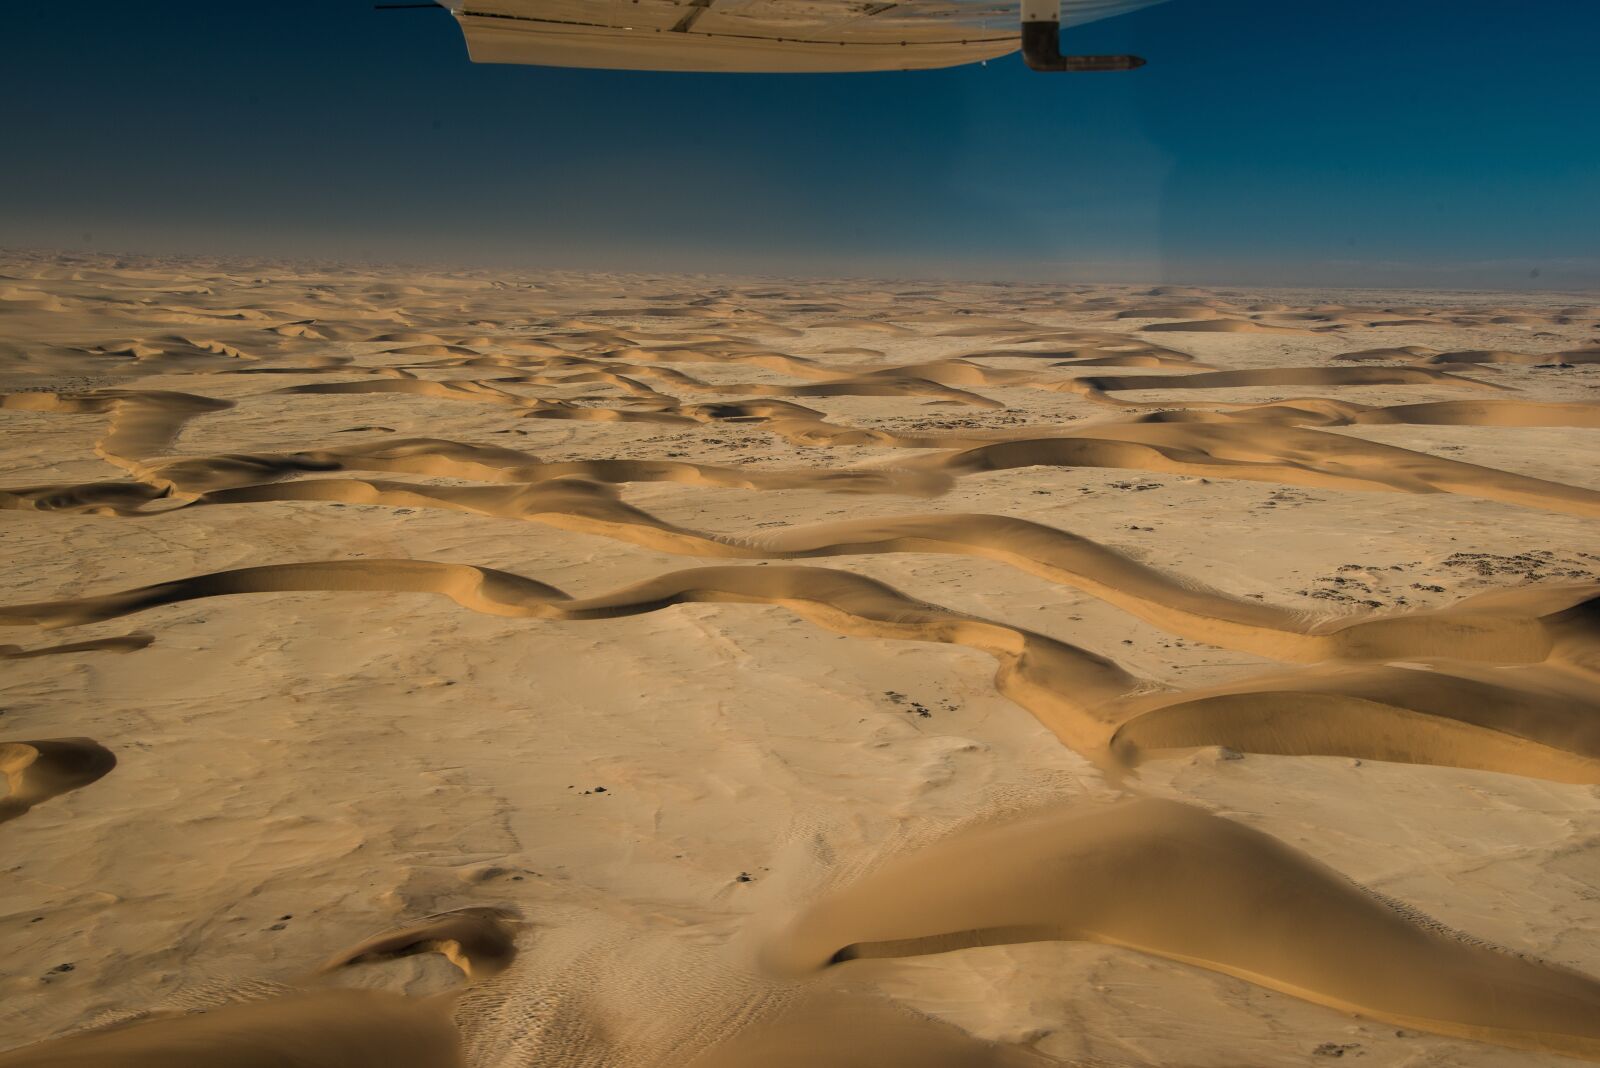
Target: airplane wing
(769, 36)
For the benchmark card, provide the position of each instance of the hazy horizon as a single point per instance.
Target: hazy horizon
(1079, 275)
(1264, 144)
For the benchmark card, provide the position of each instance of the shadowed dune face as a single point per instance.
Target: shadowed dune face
(141, 424)
(1325, 564)
(1060, 683)
(1286, 376)
(127, 643)
(479, 941)
(1269, 454)
(37, 771)
(1525, 723)
(329, 1029)
(1509, 632)
(1422, 354)
(1568, 358)
(1317, 412)
(1173, 881)
(449, 459)
(1515, 725)
(1223, 326)
(1277, 453)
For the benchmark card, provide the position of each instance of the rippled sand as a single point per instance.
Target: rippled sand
(481, 668)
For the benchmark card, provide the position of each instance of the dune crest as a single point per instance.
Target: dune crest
(1505, 630)
(37, 771)
(1266, 453)
(128, 643)
(479, 941)
(1088, 701)
(328, 1029)
(1245, 905)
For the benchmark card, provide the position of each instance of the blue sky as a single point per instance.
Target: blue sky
(1448, 143)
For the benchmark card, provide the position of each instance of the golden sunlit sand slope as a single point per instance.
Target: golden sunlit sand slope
(688, 671)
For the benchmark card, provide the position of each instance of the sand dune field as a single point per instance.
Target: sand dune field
(422, 668)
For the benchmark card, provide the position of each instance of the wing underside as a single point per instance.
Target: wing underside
(774, 36)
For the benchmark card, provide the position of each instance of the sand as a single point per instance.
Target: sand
(474, 668)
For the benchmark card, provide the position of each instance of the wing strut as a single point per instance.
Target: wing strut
(1041, 42)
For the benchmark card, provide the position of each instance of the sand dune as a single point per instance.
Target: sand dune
(141, 424)
(1286, 376)
(1245, 905)
(451, 459)
(477, 392)
(1092, 355)
(1058, 682)
(1168, 311)
(328, 1029)
(1422, 354)
(1469, 356)
(1526, 723)
(37, 771)
(1089, 702)
(306, 366)
(877, 384)
(1396, 353)
(301, 1029)
(127, 643)
(480, 393)
(479, 941)
(617, 778)
(1485, 413)
(1223, 326)
(1294, 456)
(16, 300)
(1264, 453)
(1316, 411)
(1502, 630)
(91, 498)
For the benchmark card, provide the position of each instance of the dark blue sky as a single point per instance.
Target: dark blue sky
(1412, 142)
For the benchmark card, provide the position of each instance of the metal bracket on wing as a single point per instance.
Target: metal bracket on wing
(1041, 43)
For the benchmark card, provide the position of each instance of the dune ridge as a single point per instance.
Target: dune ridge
(1284, 376)
(1256, 450)
(327, 1029)
(1268, 453)
(807, 426)
(1423, 354)
(1250, 907)
(127, 643)
(479, 941)
(1058, 682)
(1534, 721)
(1322, 412)
(1086, 700)
(142, 423)
(483, 463)
(37, 771)
(1503, 632)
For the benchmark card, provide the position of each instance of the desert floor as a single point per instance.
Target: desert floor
(749, 673)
